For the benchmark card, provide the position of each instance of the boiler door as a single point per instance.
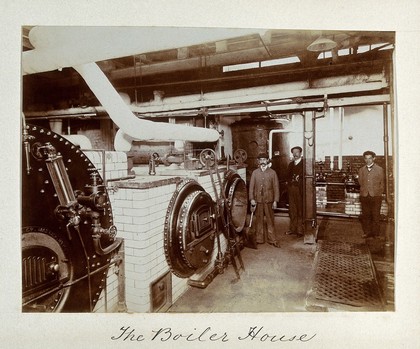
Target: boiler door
(237, 200)
(190, 229)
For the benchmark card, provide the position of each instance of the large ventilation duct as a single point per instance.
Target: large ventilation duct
(131, 127)
(61, 47)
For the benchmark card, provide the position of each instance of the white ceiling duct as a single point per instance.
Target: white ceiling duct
(60, 47)
(131, 127)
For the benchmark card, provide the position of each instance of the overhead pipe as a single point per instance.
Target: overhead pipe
(287, 105)
(386, 149)
(340, 151)
(58, 47)
(331, 121)
(131, 127)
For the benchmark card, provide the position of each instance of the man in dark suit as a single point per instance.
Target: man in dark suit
(371, 180)
(295, 191)
(264, 194)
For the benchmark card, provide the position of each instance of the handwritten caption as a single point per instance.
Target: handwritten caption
(167, 334)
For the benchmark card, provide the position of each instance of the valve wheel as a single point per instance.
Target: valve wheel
(208, 157)
(240, 156)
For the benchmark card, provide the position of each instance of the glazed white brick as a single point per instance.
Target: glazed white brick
(143, 222)
(123, 203)
(136, 212)
(124, 234)
(142, 275)
(135, 297)
(138, 244)
(129, 252)
(117, 210)
(129, 266)
(140, 195)
(132, 275)
(123, 219)
(135, 227)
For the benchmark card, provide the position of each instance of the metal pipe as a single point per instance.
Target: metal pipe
(331, 121)
(270, 139)
(120, 263)
(340, 152)
(385, 111)
(172, 110)
(131, 127)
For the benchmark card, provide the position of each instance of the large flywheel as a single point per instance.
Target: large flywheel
(190, 229)
(68, 237)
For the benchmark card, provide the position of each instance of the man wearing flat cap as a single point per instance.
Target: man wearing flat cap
(264, 193)
(295, 191)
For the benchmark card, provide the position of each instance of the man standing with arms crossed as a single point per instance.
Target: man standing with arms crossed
(371, 180)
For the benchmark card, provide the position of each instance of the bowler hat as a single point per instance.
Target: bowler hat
(298, 148)
(262, 156)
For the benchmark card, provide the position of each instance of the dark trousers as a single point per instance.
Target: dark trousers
(264, 209)
(371, 214)
(295, 209)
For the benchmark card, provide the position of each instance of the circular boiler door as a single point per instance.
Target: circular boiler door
(197, 229)
(237, 200)
(190, 229)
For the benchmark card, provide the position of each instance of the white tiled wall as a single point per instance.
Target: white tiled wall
(115, 162)
(139, 215)
(115, 167)
(111, 294)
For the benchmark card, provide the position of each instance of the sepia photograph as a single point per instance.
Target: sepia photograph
(207, 170)
(180, 176)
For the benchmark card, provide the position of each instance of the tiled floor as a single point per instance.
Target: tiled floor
(274, 280)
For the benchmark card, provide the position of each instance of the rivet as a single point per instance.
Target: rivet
(66, 143)
(61, 139)
(55, 195)
(41, 131)
(69, 160)
(42, 191)
(48, 133)
(46, 181)
(40, 169)
(55, 136)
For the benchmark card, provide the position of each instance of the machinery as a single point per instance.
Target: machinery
(194, 223)
(68, 237)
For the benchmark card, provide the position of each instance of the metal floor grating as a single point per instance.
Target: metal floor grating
(344, 275)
